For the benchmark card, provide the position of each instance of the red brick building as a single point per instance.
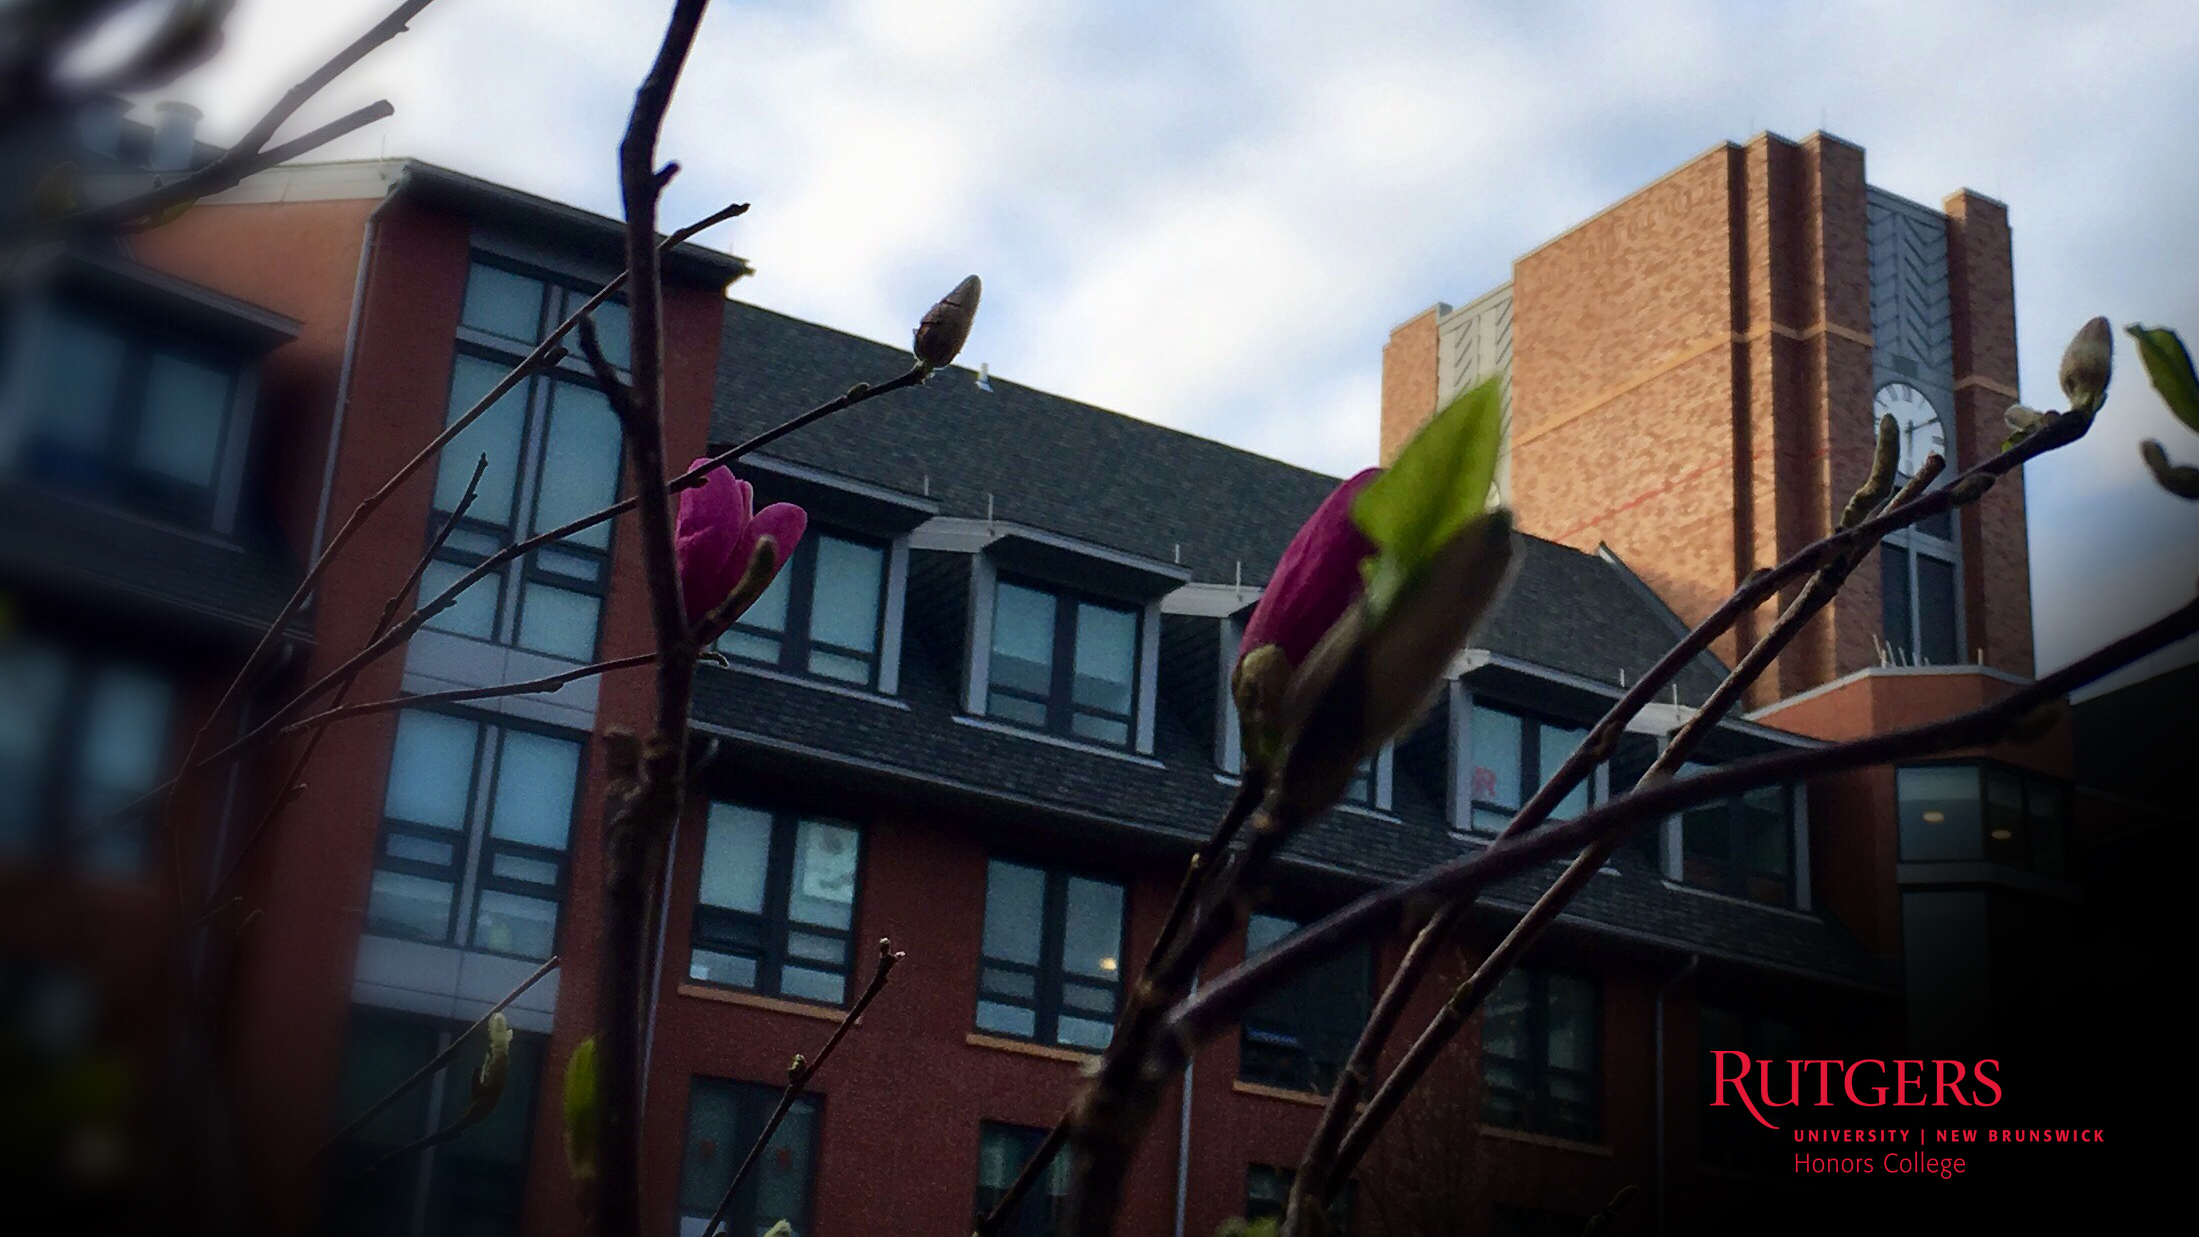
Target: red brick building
(982, 711)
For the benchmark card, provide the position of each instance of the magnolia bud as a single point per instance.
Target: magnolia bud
(2022, 418)
(940, 336)
(2086, 366)
(2181, 480)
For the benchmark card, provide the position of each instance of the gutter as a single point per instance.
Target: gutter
(1693, 961)
(1183, 1138)
(352, 331)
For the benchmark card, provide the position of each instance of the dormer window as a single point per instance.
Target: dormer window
(823, 613)
(1063, 662)
(141, 416)
(1513, 755)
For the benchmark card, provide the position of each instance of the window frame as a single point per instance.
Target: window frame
(113, 469)
(1531, 774)
(1296, 995)
(775, 921)
(1920, 541)
(537, 398)
(747, 1123)
(797, 638)
(1060, 700)
(1031, 1220)
(1535, 1068)
(475, 846)
(2031, 782)
(1049, 975)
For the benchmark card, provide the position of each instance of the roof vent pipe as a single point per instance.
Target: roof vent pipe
(175, 136)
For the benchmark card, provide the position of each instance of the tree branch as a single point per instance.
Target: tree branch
(797, 1081)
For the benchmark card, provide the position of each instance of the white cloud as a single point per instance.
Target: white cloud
(1210, 213)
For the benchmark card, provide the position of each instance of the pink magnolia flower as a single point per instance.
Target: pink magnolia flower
(1316, 581)
(717, 535)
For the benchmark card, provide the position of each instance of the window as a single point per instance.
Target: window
(1917, 565)
(1300, 1037)
(1731, 1138)
(1513, 756)
(1541, 1056)
(822, 615)
(143, 416)
(475, 1183)
(1966, 812)
(474, 828)
(553, 447)
(1002, 1151)
(79, 739)
(1052, 955)
(775, 912)
(723, 1121)
(1743, 846)
(1063, 663)
(1267, 1196)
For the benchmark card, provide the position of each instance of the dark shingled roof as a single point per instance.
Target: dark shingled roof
(68, 545)
(1073, 469)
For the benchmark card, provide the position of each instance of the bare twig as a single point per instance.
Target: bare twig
(797, 1080)
(547, 683)
(425, 1072)
(636, 835)
(250, 153)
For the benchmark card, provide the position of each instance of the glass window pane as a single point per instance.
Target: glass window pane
(1572, 1023)
(1099, 729)
(421, 850)
(559, 622)
(502, 1137)
(1767, 845)
(471, 613)
(1490, 822)
(509, 923)
(1893, 583)
(2047, 841)
(1002, 982)
(836, 666)
(380, 1053)
(736, 854)
(805, 984)
(780, 1185)
(125, 731)
(1091, 938)
(33, 680)
(1554, 744)
(523, 868)
(180, 430)
(1504, 1020)
(614, 327)
(1106, 657)
(1496, 740)
(1084, 1032)
(1015, 709)
(503, 303)
(1264, 931)
(714, 1146)
(823, 890)
(1006, 1019)
(748, 646)
(850, 578)
(495, 434)
(1935, 595)
(1015, 901)
(535, 783)
(712, 967)
(580, 459)
(401, 904)
(2005, 836)
(431, 770)
(74, 404)
(1023, 639)
(768, 611)
(1939, 813)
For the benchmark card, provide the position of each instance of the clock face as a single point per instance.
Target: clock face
(1912, 411)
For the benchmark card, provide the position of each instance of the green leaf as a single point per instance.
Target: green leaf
(2168, 363)
(1439, 482)
(582, 1110)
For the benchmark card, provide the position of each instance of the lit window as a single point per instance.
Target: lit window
(822, 615)
(1063, 663)
(724, 1120)
(1959, 812)
(1002, 1151)
(1300, 1037)
(1052, 956)
(1513, 756)
(775, 909)
(1541, 1055)
(464, 797)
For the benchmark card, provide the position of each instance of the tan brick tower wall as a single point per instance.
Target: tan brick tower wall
(1996, 546)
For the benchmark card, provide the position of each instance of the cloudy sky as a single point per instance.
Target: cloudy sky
(1209, 213)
